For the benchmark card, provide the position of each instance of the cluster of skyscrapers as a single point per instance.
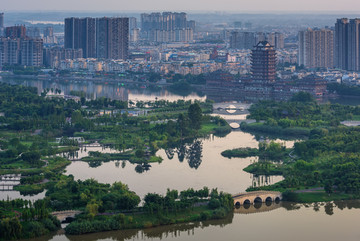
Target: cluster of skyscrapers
(18, 48)
(339, 48)
(247, 40)
(167, 27)
(106, 38)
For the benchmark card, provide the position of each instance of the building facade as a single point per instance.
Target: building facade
(247, 40)
(347, 44)
(316, 48)
(53, 56)
(17, 48)
(81, 33)
(354, 45)
(31, 52)
(22, 51)
(167, 27)
(341, 43)
(98, 37)
(15, 32)
(1, 24)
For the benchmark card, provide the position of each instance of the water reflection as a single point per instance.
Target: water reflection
(257, 207)
(4, 195)
(264, 221)
(190, 149)
(114, 90)
(189, 163)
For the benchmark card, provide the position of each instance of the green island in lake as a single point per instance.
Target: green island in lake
(39, 132)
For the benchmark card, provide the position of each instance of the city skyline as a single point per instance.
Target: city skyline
(185, 5)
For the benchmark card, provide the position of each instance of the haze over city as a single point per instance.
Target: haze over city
(184, 5)
(151, 120)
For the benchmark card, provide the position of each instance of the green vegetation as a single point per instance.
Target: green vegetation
(298, 116)
(30, 125)
(318, 196)
(24, 219)
(68, 194)
(329, 158)
(267, 151)
(160, 210)
(344, 90)
(264, 168)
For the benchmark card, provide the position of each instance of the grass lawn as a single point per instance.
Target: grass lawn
(207, 127)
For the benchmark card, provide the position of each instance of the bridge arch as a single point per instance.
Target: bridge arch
(257, 197)
(258, 200)
(66, 215)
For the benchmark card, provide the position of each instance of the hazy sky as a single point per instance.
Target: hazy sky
(184, 5)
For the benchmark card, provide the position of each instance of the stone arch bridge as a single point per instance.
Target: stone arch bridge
(256, 197)
(63, 215)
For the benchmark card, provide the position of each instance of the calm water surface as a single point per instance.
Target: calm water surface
(213, 170)
(95, 90)
(326, 221)
(284, 221)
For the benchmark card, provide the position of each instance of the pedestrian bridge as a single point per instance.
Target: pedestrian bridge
(63, 215)
(256, 197)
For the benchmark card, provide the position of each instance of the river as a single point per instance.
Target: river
(285, 221)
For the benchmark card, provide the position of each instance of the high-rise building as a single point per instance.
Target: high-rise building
(276, 39)
(316, 48)
(247, 40)
(17, 48)
(49, 37)
(33, 32)
(101, 37)
(354, 45)
(167, 27)
(48, 32)
(1, 20)
(9, 51)
(1, 24)
(23, 51)
(31, 52)
(347, 44)
(81, 33)
(242, 40)
(133, 30)
(15, 31)
(132, 23)
(341, 43)
(263, 63)
(112, 40)
(118, 38)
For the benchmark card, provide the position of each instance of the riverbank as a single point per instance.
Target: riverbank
(140, 221)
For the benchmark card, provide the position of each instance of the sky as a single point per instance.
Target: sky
(183, 5)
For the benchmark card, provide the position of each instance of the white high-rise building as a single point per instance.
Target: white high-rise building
(316, 48)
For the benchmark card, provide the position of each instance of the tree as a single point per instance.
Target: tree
(31, 157)
(92, 207)
(302, 97)
(195, 115)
